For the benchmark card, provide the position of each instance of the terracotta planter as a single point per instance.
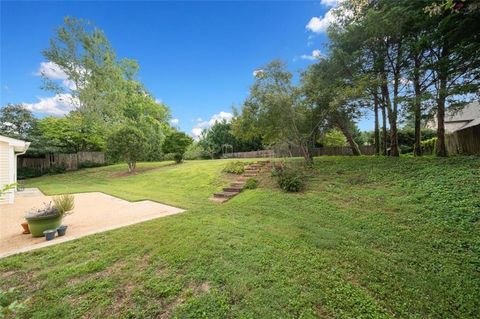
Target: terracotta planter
(26, 229)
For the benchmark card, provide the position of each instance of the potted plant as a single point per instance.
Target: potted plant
(62, 230)
(50, 215)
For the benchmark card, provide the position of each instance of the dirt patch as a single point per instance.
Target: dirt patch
(123, 298)
(193, 289)
(322, 312)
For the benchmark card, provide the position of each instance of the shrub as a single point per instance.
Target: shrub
(429, 146)
(177, 157)
(235, 168)
(277, 169)
(28, 172)
(57, 169)
(177, 143)
(291, 179)
(195, 151)
(89, 164)
(64, 203)
(251, 183)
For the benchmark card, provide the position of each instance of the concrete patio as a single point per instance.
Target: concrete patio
(93, 213)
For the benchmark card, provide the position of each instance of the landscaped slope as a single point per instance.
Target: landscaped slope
(370, 237)
(185, 185)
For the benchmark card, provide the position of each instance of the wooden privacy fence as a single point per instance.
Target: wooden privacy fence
(295, 152)
(67, 161)
(465, 141)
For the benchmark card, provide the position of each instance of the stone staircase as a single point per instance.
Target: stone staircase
(237, 186)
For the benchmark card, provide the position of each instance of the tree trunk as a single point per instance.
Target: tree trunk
(384, 130)
(377, 128)
(307, 154)
(131, 167)
(442, 96)
(392, 116)
(417, 149)
(346, 132)
(394, 150)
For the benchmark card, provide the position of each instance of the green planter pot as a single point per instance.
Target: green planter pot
(38, 225)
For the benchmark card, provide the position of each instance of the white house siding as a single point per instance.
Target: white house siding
(6, 162)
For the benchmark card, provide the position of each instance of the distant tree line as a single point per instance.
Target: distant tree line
(398, 58)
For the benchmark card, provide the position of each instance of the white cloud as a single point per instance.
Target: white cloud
(57, 105)
(321, 24)
(220, 117)
(329, 3)
(257, 73)
(316, 54)
(52, 71)
(174, 121)
(196, 132)
(201, 125)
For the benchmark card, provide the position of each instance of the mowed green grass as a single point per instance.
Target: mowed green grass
(369, 238)
(185, 185)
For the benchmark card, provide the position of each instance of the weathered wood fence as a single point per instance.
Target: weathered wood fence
(466, 141)
(68, 161)
(295, 152)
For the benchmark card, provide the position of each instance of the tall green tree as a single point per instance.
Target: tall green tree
(104, 88)
(335, 101)
(17, 122)
(277, 111)
(455, 45)
(71, 134)
(127, 143)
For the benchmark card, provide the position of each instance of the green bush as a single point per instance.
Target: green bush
(235, 168)
(177, 143)
(195, 152)
(28, 172)
(177, 157)
(429, 146)
(251, 183)
(57, 169)
(89, 164)
(291, 179)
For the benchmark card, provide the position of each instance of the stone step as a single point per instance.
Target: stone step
(238, 184)
(249, 175)
(225, 194)
(219, 199)
(232, 188)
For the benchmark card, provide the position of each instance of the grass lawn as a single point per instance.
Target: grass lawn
(369, 238)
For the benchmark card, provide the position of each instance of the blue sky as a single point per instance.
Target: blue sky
(197, 57)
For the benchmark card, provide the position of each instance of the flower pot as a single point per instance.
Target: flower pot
(50, 234)
(38, 225)
(26, 230)
(62, 230)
